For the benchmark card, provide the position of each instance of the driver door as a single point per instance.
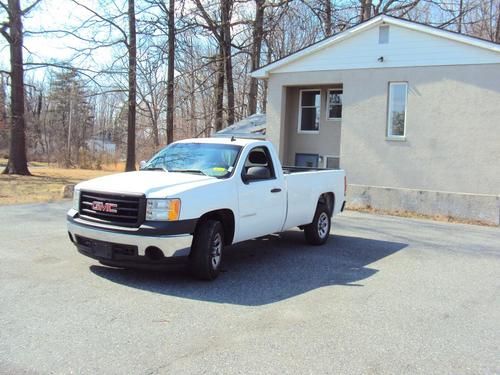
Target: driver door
(261, 196)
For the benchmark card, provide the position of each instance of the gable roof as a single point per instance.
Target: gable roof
(264, 71)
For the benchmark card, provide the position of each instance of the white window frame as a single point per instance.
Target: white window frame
(325, 157)
(299, 121)
(328, 104)
(389, 134)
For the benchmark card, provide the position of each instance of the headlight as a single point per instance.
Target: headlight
(163, 209)
(76, 199)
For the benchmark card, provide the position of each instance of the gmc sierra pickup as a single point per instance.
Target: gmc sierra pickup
(197, 196)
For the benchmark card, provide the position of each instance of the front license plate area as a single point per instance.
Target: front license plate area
(102, 249)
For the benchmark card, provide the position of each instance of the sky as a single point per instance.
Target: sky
(46, 47)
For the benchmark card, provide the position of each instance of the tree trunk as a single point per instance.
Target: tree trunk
(366, 10)
(266, 81)
(219, 91)
(170, 72)
(460, 16)
(132, 87)
(154, 125)
(226, 7)
(327, 21)
(258, 30)
(497, 32)
(18, 163)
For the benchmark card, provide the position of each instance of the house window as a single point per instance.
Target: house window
(306, 160)
(334, 104)
(396, 117)
(309, 111)
(332, 162)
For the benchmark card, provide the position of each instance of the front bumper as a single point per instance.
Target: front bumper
(130, 246)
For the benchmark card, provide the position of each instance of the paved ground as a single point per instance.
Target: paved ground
(385, 295)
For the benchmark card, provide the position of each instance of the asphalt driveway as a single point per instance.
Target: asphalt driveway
(384, 295)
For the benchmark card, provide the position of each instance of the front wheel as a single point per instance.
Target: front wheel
(206, 250)
(318, 231)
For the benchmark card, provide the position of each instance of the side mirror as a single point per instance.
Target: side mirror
(249, 178)
(256, 174)
(142, 164)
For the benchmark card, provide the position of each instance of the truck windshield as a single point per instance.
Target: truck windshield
(210, 159)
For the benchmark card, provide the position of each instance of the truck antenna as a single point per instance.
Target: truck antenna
(233, 139)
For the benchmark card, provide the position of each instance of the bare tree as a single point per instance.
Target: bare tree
(257, 35)
(226, 11)
(221, 30)
(18, 163)
(132, 87)
(171, 71)
(118, 28)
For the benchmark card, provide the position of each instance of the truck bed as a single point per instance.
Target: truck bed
(304, 187)
(288, 169)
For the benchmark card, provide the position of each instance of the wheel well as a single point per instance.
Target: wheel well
(226, 217)
(328, 199)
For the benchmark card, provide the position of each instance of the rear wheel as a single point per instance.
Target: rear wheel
(206, 250)
(318, 231)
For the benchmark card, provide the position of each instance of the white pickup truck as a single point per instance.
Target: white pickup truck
(196, 196)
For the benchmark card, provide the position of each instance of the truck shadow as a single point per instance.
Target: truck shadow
(266, 270)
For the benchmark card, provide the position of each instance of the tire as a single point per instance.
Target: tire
(318, 231)
(206, 250)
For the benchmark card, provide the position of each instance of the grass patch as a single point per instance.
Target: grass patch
(45, 185)
(36, 164)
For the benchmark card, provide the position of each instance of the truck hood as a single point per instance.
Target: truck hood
(151, 183)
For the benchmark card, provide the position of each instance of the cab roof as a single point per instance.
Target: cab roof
(222, 140)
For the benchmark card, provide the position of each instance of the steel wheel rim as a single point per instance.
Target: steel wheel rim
(323, 225)
(216, 250)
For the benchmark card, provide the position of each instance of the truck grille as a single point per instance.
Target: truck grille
(114, 209)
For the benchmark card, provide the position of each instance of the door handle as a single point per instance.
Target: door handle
(275, 190)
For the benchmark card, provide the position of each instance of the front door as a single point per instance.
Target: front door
(262, 197)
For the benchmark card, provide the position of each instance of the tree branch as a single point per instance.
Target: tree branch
(30, 8)
(3, 31)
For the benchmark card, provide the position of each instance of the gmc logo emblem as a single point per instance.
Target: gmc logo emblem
(105, 207)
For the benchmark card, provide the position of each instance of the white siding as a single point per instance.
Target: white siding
(406, 48)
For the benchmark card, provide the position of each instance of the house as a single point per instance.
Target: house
(411, 112)
(102, 143)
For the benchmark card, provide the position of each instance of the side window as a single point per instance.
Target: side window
(334, 104)
(396, 116)
(258, 165)
(309, 111)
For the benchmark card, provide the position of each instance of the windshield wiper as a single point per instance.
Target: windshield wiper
(155, 169)
(195, 171)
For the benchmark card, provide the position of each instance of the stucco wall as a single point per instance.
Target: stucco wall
(453, 126)
(326, 142)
